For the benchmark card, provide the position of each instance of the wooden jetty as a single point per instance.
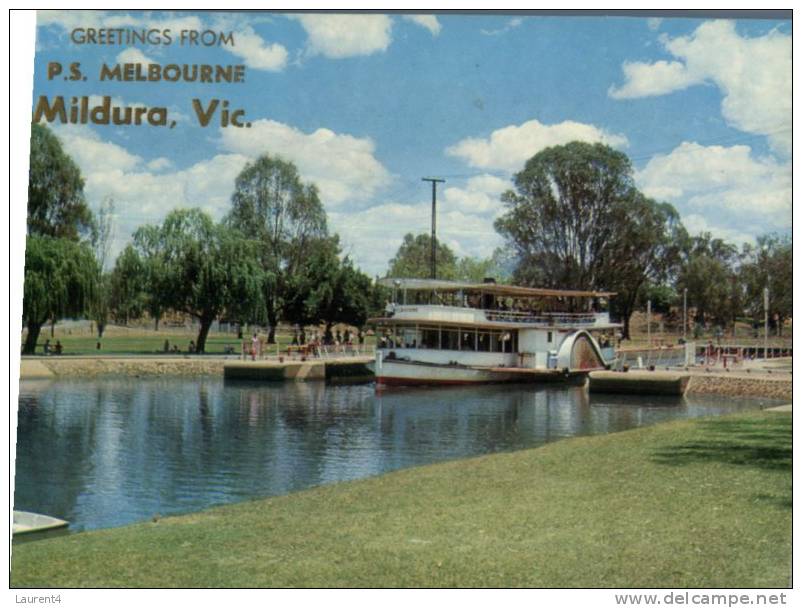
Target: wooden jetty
(639, 382)
(342, 370)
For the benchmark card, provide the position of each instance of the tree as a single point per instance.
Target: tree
(148, 248)
(312, 283)
(203, 268)
(271, 205)
(346, 299)
(326, 289)
(567, 206)
(58, 218)
(56, 205)
(707, 272)
(474, 270)
(576, 221)
(769, 264)
(100, 307)
(101, 245)
(663, 297)
(413, 259)
(60, 280)
(643, 254)
(128, 283)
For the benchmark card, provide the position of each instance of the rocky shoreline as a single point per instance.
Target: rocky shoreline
(90, 367)
(739, 384)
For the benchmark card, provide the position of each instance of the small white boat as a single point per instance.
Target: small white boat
(26, 522)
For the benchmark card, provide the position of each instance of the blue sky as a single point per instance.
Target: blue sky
(366, 105)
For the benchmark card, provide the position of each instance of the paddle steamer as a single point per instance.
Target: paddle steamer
(444, 332)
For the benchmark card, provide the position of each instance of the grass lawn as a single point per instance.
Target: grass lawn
(700, 503)
(136, 344)
(147, 343)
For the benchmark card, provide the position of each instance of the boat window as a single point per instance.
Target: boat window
(429, 338)
(410, 337)
(390, 340)
(450, 339)
(509, 342)
(467, 339)
(550, 337)
(483, 342)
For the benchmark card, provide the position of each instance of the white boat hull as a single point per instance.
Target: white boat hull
(26, 522)
(412, 373)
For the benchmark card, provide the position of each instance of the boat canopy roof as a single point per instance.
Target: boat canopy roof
(494, 288)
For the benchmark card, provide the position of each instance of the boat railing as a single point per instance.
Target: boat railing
(513, 316)
(500, 315)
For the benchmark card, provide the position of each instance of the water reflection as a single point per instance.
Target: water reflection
(107, 452)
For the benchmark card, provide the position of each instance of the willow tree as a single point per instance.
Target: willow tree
(204, 268)
(60, 281)
(57, 266)
(271, 205)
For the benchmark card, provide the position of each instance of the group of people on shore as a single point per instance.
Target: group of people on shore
(174, 348)
(255, 347)
(54, 350)
(336, 339)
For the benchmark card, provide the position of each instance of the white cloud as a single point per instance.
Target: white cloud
(481, 195)
(144, 191)
(133, 55)
(659, 78)
(344, 167)
(753, 74)
(372, 236)
(340, 36)
(510, 147)
(68, 20)
(159, 164)
(93, 154)
(429, 22)
(696, 224)
(727, 186)
(512, 23)
(256, 53)
(465, 216)
(140, 195)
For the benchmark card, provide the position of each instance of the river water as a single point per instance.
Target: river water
(108, 452)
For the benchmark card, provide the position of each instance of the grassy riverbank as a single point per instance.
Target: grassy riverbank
(79, 339)
(699, 503)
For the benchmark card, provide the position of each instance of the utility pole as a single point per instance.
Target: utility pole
(434, 181)
(685, 314)
(765, 323)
